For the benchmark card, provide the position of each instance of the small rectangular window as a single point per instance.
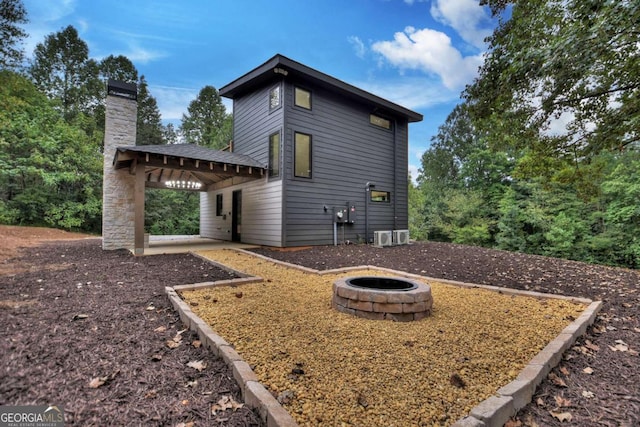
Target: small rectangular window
(379, 121)
(219, 210)
(275, 98)
(380, 196)
(302, 98)
(274, 154)
(302, 155)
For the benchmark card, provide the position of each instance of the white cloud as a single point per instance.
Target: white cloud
(358, 46)
(172, 101)
(430, 51)
(411, 92)
(467, 17)
(138, 54)
(413, 172)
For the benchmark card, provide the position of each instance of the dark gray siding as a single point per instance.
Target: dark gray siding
(253, 123)
(347, 152)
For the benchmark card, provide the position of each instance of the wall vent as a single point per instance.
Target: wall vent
(382, 238)
(400, 237)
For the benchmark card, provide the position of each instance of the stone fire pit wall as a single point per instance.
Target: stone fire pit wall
(375, 304)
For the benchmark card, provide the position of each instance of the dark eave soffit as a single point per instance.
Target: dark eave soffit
(279, 65)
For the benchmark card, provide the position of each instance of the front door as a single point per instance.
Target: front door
(236, 216)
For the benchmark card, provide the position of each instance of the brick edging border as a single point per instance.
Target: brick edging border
(494, 411)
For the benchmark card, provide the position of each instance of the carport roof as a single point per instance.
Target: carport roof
(194, 152)
(188, 162)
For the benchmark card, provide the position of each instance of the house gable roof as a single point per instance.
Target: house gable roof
(281, 65)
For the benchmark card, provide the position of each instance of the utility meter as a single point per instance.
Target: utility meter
(352, 214)
(340, 214)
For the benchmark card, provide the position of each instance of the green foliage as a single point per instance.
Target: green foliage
(206, 122)
(50, 171)
(536, 81)
(149, 129)
(172, 212)
(12, 13)
(542, 157)
(61, 68)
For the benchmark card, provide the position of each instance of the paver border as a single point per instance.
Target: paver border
(494, 411)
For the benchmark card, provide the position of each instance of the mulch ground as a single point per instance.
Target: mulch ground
(570, 396)
(87, 329)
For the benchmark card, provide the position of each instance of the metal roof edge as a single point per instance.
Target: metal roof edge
(231, 89)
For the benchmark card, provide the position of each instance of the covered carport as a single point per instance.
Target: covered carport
(180, 167)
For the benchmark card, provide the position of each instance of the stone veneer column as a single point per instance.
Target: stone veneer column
(118, 186)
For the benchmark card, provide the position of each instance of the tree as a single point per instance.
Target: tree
(206, 122)
(568, 71)
(61, 68)
(12, 13)
(50, 170)
(118, 68)
(149, 129)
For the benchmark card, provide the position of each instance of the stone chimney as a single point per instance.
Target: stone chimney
(118, 186)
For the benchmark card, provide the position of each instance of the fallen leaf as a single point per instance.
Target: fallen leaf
(198, 365)
(587, 394)
(156, 357)
(97, 382)
(513, 423)
(160, 329)
(286, 397)
(557, 380)
(79, 316)
(457, 381)
(189, 424)
(196, 343)
(238, 294)
(564, 371)
(192, 383)
(561, 401)
(150, 307)
(225, 402)
(362, 400)
(185, 402)
(636, 330)
(588, 370)
(619, 347)
(562, 416)
(172, 344)
(530, 422)
(540, 402)
(591, 346)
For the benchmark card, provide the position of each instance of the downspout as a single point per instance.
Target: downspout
(395, 175)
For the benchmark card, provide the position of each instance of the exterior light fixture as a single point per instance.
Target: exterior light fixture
(183, 185)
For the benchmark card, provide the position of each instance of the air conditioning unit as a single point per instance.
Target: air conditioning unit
(400, 237)
(382, 238)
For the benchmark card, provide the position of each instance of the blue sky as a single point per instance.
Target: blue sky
(416, 53)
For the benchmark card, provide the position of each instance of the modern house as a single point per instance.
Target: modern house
(314, 161)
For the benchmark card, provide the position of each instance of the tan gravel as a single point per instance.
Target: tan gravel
(335, 369)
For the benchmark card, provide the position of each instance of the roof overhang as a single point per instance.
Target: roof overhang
(188, 166)
(282, 67)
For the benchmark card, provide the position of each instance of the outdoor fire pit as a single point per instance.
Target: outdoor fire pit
(379, 298)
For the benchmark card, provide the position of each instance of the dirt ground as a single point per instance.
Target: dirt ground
(110, 358)
(93, 332)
